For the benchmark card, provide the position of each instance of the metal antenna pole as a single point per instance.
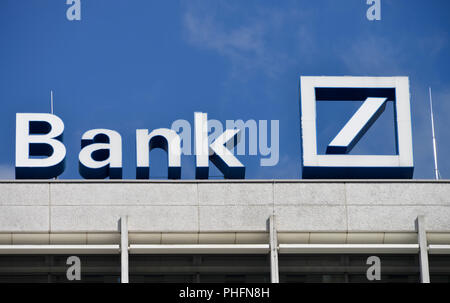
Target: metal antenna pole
(436, 170)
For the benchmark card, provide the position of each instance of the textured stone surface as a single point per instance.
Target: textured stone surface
(24, 218)
(398, 193)
(140, 218)
(234, 218)
(224, 207)
(26, 194)
(397, 218)
(124, 194)
(309, 193)
(311, 218)
(235, 194)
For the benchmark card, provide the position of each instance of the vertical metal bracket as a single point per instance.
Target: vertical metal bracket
(274, 275)
(423, 250)
(124, 249)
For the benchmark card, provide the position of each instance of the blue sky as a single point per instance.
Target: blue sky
(143, 64)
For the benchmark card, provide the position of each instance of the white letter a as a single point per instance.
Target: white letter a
(374, 12)
(73, 12)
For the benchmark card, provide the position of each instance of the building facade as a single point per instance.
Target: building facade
(225, 230)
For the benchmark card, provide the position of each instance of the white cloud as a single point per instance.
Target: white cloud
(372, 55)
(387, 56)
(250, 44)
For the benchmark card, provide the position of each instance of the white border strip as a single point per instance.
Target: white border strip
(200, 249)
(222, 249)
(348, 248)
(58, 249)
(439, 249)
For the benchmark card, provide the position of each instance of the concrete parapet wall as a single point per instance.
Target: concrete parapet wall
(202, 207)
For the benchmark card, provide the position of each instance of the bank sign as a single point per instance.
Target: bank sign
(375, 92)
(41, 153)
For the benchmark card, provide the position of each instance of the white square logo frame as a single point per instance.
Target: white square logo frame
(344, 166)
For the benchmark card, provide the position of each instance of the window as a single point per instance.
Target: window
(199, 268)
(329, 268)
(53, 268)
(439, 268)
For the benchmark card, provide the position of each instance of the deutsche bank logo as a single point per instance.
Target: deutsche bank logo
(375, 92)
